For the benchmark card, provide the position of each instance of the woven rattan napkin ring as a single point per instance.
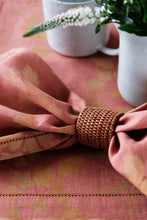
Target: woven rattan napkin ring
(96, 126)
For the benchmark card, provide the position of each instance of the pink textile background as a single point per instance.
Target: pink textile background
(78, 182)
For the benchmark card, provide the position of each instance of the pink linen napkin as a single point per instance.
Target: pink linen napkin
(38, 112)
(128, 147)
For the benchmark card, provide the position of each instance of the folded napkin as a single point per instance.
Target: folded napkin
(38, 112)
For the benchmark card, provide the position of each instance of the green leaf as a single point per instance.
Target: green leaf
(145, 18)
(98, 28)
(143, 4)
(138, 29)
(144, 10)
(106, 21)
(135, 10)
(122, 18)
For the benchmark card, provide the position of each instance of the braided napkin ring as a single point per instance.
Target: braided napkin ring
(95, 126)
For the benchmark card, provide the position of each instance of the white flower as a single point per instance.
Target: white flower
(74, 17)
(102, 9)
(128, 1)
(81, 16)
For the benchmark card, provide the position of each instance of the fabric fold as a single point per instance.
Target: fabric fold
(128, 147)
(32, 100)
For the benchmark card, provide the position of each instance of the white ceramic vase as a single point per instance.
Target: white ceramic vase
(132, 69)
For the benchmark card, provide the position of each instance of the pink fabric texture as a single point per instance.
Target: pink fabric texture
(36, 104)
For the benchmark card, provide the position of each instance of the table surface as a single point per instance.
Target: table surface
(79, 182)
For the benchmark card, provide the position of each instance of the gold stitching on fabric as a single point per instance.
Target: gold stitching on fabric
(23, 138)
(61, 195)
(72, 195)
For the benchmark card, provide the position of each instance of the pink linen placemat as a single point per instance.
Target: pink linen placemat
(78, 182)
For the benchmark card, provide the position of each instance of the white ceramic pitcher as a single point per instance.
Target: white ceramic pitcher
(75, 41)
(132, 70)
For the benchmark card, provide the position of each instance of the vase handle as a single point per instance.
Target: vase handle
(108, 51)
